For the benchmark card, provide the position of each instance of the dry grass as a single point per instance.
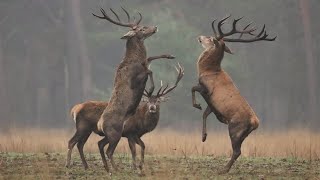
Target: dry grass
(293, 143)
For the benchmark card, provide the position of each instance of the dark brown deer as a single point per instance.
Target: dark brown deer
(86, 116)
(218, 90)
(129, 83)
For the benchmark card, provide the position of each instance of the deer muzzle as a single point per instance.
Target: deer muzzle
(152, 108)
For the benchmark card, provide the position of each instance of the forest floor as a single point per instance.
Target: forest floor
(51, 166)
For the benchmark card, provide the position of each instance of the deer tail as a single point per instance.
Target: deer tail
(74, 111)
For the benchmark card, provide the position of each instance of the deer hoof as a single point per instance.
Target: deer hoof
(134, 167)
(198, 106)
(223, 171)
(204, 137)
(140, 166)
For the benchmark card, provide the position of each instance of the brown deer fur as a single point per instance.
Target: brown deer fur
(129, 83)
(86, 116)
(221, 95)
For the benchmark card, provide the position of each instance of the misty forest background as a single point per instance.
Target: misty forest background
(54, 54)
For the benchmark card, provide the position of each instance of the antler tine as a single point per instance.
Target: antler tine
(105, 16)
(245, 29)
(138, 22)
(125, 11)
(158, 93)
(164, 89)
(220, 23)
(101, 17)
(262, 31)
(115, 14)
(214, 29)
(146, 93)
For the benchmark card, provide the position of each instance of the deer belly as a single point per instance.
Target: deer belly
(230, 104)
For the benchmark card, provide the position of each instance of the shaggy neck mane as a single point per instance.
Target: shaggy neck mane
(135, 50)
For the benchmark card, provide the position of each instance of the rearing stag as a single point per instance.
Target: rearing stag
(86, 116)
(218, 90)
(129, 83)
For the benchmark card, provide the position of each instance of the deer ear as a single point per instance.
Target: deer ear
(144, 99)
(227, 49)
(128, 35)
(164, 99)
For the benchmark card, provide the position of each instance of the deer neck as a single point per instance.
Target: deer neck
(135, 50)
(210, 61)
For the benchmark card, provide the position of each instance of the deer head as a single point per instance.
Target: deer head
(153, 101)
(217, 40)
(136, 30)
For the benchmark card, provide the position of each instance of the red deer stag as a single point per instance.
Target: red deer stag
(129, 83)
(86, 116)
(218, 90)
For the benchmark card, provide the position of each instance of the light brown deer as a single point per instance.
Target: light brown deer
(218, 90)
(129, 83)
(86, 116)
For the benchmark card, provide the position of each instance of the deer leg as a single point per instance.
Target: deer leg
(132, 145)
(112, 146)
(80, 145)
(142, 146)
(101, 144)
(237, 133)
(73, 141)
(166, 56)
(204, 125)
(198, 88)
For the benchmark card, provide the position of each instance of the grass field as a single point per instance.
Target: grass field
(51, 166)
(40, 154)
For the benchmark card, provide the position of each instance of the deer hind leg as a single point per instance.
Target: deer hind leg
(132, 146)
(72, 142)
(101, 144)
(237, 132)
(80, 145)
(113, 142)
(204, 125)
(143, 147)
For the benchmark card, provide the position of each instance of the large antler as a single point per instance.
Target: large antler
(105, 16)
(261, 36)
(166, 90)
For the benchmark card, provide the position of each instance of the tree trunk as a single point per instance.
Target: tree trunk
(310, 63)
(78, 64)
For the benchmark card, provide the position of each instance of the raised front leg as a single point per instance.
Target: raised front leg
(200, 89)
(165, 56)
(204, 125)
